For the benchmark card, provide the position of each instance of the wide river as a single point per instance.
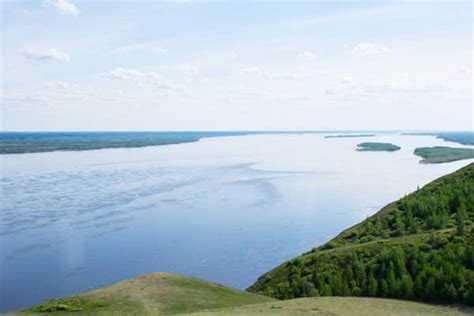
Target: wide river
(225, 209)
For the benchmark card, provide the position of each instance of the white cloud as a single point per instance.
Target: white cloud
(286, 76)
(405, 87)
(467, 71)
(307, 55)
(130, 73)
(348, 81)
(159, 50)
(141, 77)
(57, 85)
(252, 71)
(343, 16)
(46, 54)
(63, 6)
(369, 49)
(140, 47)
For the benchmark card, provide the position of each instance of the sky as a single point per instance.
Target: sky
(74, 65)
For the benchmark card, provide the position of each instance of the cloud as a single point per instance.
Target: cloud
(404, 87)
(369, 49)
(252, 71)
(46, 54)
(57, 85)
(141, 77)
(307, 55)
(348, 81)
(286, 76)
(63, 6)
(342, 16)
(467, 71)
(142, 48)
(159, 50)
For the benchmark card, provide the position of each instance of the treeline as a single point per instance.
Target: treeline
(440, 269)
(421, 248)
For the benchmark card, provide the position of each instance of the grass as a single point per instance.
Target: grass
(171, 294)
(441, 154)
(368, 146)
(149, 294)
(333, 306)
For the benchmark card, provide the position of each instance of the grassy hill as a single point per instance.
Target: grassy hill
(171, 294)
(153, 293)
(418, 248)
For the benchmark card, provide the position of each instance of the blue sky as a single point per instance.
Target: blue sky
(228, 65)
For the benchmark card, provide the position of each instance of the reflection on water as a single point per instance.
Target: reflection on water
(225, 209)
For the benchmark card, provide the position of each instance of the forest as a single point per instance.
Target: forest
(418, 248)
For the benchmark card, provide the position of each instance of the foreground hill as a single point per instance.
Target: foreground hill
(418, 248)
(152, 293)
(169, 294)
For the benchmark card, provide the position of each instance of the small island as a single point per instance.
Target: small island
(377, 147)
(349, 135)
(440, 154)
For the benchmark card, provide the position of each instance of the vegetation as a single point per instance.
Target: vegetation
(443, 154)
(153, 293)
(339, 306)
(418, 248)
(170, 294)
(377, 147)
(35, 142)
(349, 135)
(465, 138)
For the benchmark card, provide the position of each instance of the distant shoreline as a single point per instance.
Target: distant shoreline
(39, 142)
(349, 136)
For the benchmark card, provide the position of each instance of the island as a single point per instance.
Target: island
(377, 147)
(349, 135)
(440, 154)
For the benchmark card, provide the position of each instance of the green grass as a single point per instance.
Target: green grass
(334, 306)
(171, 294)
(443, 154)
(149, 294)
(368, 146)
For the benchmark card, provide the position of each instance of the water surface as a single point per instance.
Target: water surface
(225, 209)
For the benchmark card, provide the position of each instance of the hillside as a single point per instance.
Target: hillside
(152, 293)
(171, 294)
(418, 248)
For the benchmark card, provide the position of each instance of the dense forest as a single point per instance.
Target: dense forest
(420, 247)
(368, 146)
(440, 154)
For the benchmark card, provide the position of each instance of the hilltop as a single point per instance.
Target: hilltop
(152, 293)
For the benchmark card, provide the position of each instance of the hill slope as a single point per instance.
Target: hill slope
(420, 247)
(340, 306)
(170, 294)
(152, 293)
